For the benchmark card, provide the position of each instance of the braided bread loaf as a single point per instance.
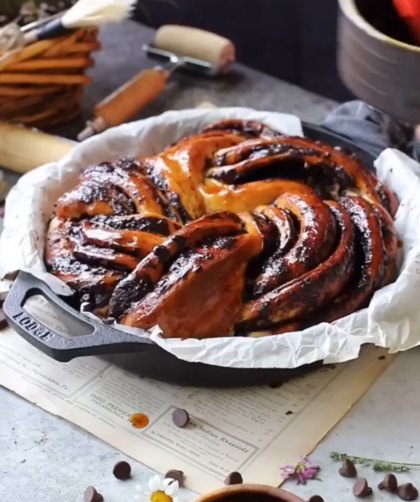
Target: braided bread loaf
(235, 230)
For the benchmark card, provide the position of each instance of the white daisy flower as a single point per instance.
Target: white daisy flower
(159, 490)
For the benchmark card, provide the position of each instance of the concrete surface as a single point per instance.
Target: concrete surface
(45, 459)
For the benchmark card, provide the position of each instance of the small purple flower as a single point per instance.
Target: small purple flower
(302, 471)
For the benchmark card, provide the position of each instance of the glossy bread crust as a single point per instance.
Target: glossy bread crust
(236, 230)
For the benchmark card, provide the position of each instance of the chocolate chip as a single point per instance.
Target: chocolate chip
(408, 492)
(91, 495)
(389, 483)
(122, 470)
(234, 478)
(347, 469)
(361, 488)
(290, 412)
(3, 321)
(180, 418)
(381, 358)
(175, 475)
(316, 498)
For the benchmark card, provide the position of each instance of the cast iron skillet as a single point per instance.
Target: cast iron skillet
(131, 352)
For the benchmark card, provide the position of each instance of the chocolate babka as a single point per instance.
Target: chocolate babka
(237, 230)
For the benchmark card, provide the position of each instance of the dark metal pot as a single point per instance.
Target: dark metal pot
(133, 353)
(380, 70)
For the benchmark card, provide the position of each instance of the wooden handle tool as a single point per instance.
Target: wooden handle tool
(126, 101)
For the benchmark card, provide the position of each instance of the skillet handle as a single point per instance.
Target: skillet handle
(102, 339)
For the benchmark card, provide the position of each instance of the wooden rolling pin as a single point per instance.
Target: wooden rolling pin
(23, 149)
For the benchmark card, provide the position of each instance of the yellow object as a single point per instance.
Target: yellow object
(22, 149)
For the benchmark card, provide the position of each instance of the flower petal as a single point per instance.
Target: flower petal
(155, 484)
(167, 481)
(172, 489)
(301, 479)
(287, 471)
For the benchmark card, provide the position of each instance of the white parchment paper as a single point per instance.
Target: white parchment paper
(392, 319)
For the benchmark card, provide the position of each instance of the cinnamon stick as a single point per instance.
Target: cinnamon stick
(29, 78)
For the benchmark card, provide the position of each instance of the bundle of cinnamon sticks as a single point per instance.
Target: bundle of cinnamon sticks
(41, 84)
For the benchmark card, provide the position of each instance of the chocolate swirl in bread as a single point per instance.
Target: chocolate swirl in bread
(236, 230)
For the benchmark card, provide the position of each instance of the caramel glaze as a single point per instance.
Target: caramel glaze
(309, 291)
(136, 234)
(235, 230)
(62, 262)
(127, 177)
(178, 171)
(316, 240)
(369, 268)
(241, 163)
(132, 290)
(201, 293)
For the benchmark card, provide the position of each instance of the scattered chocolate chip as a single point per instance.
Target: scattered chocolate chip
(122, 470)
(361, 488)
(3, 321)
(275, 385)
(408, 492)
(180, 418)
(389, 483)
(347, 469)
(91, 495)
(381, 358)
(175, 475)
(290, 412)
(316, 498)
(234, 478)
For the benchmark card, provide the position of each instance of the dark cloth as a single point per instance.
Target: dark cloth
(293, 40)
(369, 128)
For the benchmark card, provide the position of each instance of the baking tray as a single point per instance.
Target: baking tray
(136, 354)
